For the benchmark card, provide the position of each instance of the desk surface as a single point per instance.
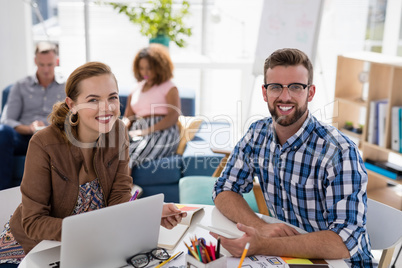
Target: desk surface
(209, 216)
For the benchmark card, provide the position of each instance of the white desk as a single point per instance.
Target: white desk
(208, 216)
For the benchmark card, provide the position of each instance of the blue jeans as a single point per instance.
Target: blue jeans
(8, 265)
(11, 143)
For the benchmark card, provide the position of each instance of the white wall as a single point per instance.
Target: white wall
(16, 46)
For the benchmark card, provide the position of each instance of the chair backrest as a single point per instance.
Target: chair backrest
(9, 200)
(4, 96)
(198, 190)
(384, 225)
(187, 105)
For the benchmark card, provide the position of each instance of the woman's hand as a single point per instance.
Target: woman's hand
(171, 216)
(138, 132)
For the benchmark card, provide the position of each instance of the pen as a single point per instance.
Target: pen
(168, 260)
(218, 249)
(134, 195)
(244, 254)
(178, 255)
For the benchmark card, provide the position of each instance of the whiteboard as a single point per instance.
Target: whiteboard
(287, 24)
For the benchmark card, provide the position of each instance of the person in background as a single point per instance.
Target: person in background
(153, 108)
(311, 175)
(29, 103)
(78, 164)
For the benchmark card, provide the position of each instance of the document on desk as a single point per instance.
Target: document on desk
(169, 238)
(259, 261)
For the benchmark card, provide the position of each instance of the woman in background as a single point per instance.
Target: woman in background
(153, 108)
(77, 164)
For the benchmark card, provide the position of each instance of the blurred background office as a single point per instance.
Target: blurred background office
(216, 65)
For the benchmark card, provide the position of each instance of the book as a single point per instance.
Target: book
(400, 130)
(382, 171)
(387, 165)
(395, 128)
(168, 239)
(382, 117)
(373, 127)
(221, 232)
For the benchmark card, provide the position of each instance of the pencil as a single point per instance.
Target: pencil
(206, 253)
(244, 254)
(168, 260)
(191, 251)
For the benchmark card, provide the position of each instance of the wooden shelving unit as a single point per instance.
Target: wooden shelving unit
(351, 103)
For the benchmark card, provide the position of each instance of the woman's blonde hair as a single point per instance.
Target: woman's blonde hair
(61, 112)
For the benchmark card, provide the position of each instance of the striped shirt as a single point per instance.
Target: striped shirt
(316, 180)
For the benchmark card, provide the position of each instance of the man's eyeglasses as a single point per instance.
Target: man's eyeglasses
(295, 89)
(143, 259)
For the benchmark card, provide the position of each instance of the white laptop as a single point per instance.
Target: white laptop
(106, 237)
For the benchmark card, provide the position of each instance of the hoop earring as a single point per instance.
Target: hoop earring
(70, 119)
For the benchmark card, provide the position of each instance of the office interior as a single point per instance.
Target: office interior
(216, 66)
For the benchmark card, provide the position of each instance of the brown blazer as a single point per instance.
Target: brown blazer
(50, 183)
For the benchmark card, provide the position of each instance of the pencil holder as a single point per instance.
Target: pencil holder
(194, 263)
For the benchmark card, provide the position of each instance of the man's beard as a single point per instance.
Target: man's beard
(287, 120)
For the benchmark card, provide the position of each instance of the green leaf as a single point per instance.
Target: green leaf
(156, 17)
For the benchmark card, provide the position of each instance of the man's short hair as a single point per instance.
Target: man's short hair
(288, 57)
(46, 47)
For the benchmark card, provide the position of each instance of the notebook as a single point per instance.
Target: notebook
(106, 237)
(169, 238)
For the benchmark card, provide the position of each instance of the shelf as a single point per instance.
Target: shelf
(384, 80)
(383, 178)
(351, 133)
(391, 196)
(380, 148)
(352, 101)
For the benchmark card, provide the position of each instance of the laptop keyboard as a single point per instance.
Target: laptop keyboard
(54, 264)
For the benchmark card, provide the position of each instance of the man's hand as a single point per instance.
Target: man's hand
(236, 246)
(37, 125)
(171, 216)
(29, 129)
(277, 230)
(255, 237)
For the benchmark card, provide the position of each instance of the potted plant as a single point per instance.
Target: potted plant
(157, 20)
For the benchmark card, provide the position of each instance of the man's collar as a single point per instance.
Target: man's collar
(57, 78)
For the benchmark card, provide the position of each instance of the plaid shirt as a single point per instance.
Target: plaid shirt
(316, 180)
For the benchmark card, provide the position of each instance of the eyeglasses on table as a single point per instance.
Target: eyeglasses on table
(143, 259)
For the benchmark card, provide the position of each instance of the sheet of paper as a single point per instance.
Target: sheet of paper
(257, 261)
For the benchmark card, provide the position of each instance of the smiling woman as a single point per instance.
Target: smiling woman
(77, 164)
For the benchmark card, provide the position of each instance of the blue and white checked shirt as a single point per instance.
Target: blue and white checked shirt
(316, 180)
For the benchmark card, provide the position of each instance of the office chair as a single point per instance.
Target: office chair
(198, 190)
(9, 201)
(384, 228)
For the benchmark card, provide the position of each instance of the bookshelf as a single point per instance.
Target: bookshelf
(361, 78)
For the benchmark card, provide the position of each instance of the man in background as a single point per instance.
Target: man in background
(29, 103)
